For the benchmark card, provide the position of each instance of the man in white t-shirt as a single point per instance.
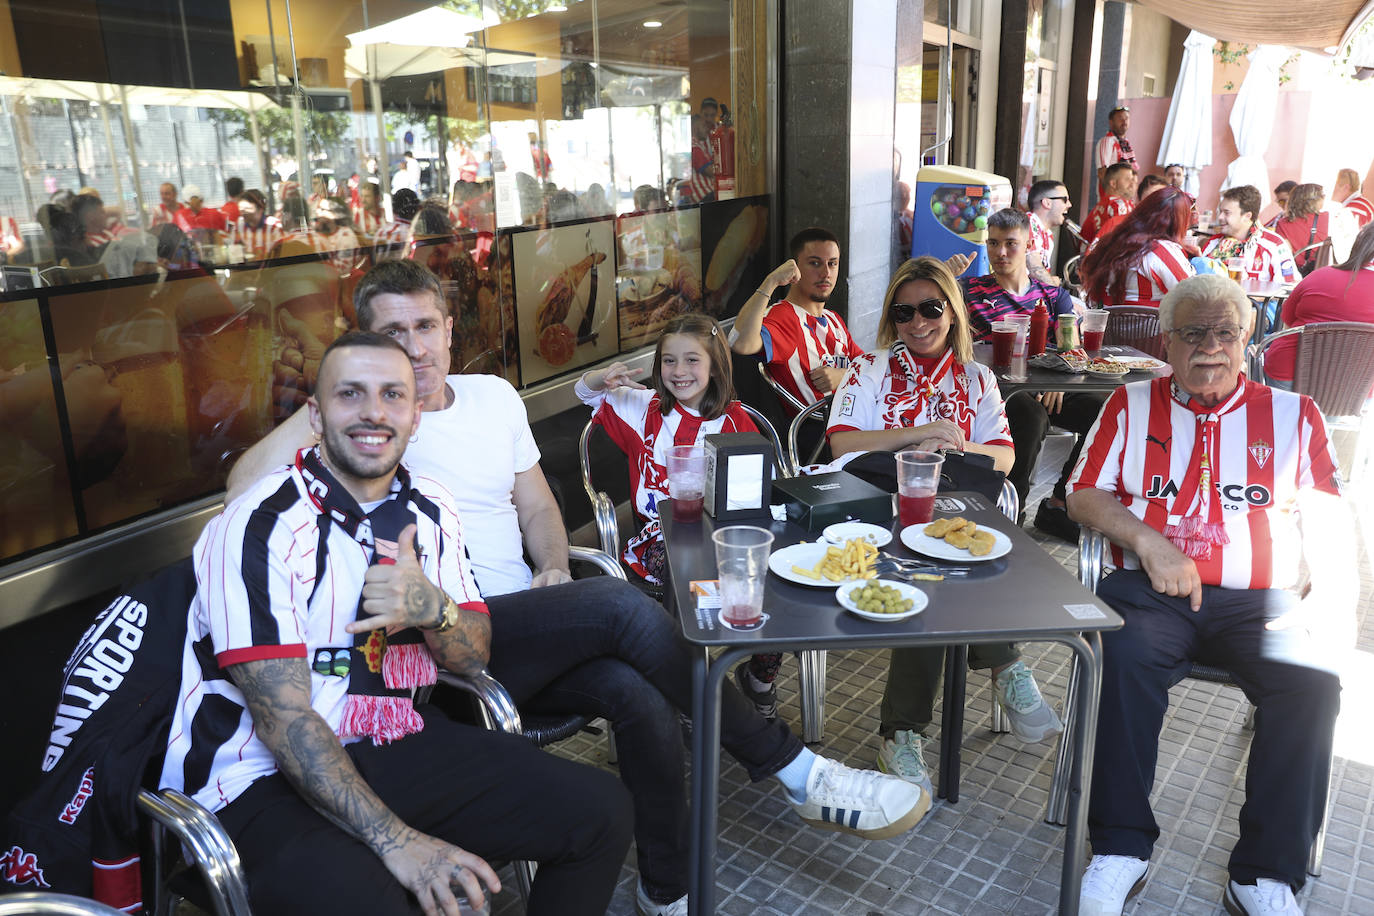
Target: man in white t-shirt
(597, 646)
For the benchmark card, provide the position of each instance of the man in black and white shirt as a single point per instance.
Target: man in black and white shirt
(326, 594)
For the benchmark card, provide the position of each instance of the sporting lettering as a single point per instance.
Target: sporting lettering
(95, 670)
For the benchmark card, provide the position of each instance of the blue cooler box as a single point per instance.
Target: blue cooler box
(951, 213)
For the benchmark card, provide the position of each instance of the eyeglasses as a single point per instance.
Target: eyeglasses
(929, 308)
(1194, 334)
(1065, 198)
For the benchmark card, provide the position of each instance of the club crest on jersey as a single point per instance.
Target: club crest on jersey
(19, 868)
(1260, 451)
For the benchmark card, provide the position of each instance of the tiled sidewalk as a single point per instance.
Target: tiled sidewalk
(992, 852)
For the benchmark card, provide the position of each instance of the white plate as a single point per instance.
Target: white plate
(840, 532)
(1137, 362)
(1100, 374)
(918, 601)
(915, 538)
(806, 556)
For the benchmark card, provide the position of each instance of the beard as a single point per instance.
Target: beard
(339, 457)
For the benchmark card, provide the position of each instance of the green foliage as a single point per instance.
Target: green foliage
(323, 129)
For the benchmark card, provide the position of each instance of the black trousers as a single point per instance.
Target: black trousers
(1295, 716)
(492, 794)
(1029, 421)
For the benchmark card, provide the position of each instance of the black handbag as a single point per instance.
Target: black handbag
(960, 471)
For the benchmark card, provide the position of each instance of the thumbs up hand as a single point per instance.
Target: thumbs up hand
(396, 593)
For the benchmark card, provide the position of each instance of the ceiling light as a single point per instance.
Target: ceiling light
(652, 24)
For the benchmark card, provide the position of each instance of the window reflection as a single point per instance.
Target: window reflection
(192, 216)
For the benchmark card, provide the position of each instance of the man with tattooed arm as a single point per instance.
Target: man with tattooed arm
(326, 594)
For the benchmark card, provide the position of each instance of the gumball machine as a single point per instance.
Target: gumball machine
(951, 213)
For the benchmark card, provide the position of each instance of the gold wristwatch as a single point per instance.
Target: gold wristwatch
(448, 616)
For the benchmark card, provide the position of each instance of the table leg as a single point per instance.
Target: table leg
(1088, 648)
(707, 679)
(952, 721)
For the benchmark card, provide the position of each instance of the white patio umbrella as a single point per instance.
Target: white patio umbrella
(432, 39)
(1188, 131)
(1252, 119)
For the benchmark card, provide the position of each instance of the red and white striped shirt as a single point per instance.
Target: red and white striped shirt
(1041, 245)
(1163, 266)
(161, 214)
(796, 342)
(368, 223)
(1108, 209)
(1110, 150)
(1266, 254)
(633, 419)
(257, 243)
(1272, 445)
(391, 237)
(891, 390)
(1360, 208)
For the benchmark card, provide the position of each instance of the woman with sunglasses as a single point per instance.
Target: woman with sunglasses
(923, 389)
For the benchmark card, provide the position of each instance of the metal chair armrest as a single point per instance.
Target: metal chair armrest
(498, 709)
(212, 851)
(1091, 546)
(38, 903)
(603, 508)
(601, 559)
(816, 410)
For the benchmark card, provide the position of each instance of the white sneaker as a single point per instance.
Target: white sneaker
(1032, 720)
(901, 756)
(648, 908)
(1109, 883)
(1264, 896)
(863, 802)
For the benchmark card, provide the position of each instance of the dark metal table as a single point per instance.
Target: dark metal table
(1024, 596)
(1040, 379)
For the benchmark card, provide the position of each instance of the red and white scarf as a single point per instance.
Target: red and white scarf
(1194, 523)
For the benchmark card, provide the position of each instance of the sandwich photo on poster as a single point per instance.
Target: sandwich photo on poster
(658, 272)
(733, 233)
(564, 299)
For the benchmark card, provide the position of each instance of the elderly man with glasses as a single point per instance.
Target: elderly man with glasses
(1211, 488)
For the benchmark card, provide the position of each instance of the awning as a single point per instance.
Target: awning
(79, 90)
(1320, 27)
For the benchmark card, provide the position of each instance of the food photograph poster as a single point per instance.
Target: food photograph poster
(565, 300)
(658, 272)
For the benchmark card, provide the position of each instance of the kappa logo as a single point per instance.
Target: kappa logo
(1260, 452)
(83, 792)
(19, 868)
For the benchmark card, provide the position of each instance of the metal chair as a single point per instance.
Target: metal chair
(45, 904)
(1322, 254)
(1135, 326)
(1334, 366)
(1073, 278)
(796, 408)
(1092, 550)
(211, 851)
(820, 409)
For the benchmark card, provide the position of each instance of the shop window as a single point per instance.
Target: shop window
(576, 173)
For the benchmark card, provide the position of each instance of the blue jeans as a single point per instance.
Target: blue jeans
(600, 647)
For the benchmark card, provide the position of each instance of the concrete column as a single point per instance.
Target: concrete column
(838, 97)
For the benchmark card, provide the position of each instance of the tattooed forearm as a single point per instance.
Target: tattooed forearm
(424, 602)
(308, 752)
(466, 646)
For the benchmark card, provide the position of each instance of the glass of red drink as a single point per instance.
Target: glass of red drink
(1094, 328)
(686, 481)
(1003, 339)
(742, 566)
(918, 479)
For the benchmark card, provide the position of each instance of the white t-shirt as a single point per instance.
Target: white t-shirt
(475, 447)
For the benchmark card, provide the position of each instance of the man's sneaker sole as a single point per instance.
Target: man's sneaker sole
(840, 818)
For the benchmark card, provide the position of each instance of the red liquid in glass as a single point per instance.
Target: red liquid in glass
(917, 508)
(1092, 340)
(1002, 342)
(742, 615)
(687, 509)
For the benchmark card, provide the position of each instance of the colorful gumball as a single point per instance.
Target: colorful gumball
(980, 222)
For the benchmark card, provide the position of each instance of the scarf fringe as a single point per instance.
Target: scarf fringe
(1196, 537)
(408, 665)
(383, 719)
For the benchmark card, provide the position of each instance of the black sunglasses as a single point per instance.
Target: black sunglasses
(929, 308)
